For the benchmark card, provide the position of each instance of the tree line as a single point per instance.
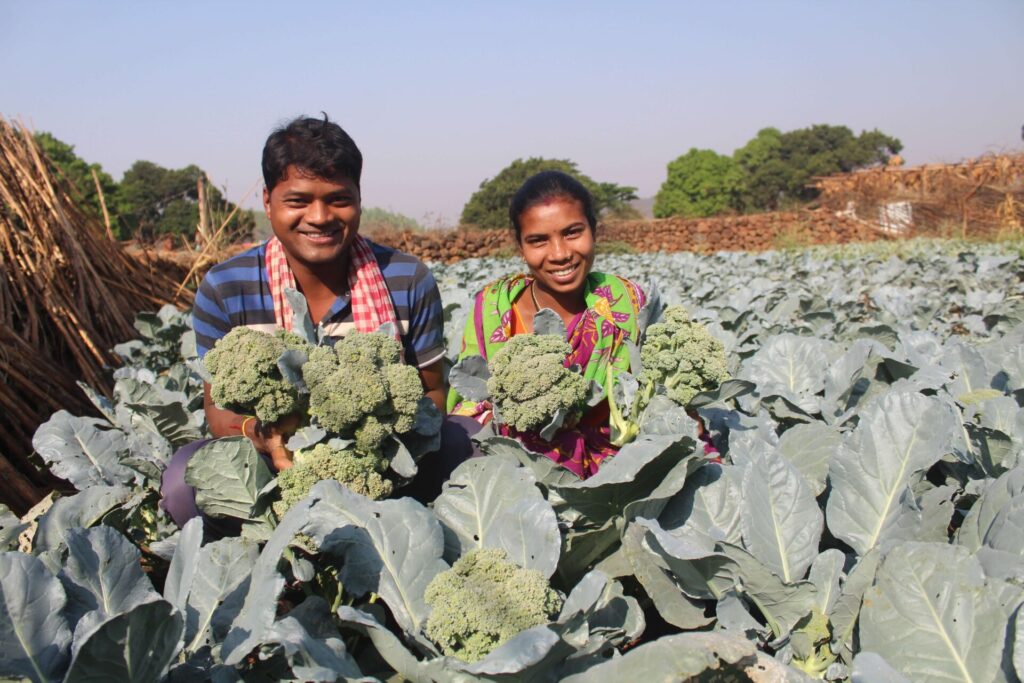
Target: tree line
(772, 171)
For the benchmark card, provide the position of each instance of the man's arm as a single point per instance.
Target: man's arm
(434, 387)
(267, 438)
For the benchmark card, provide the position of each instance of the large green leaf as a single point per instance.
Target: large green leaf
(490, 502)
(228, 475)
(636, 471)
(934, 616)
(846, 611)
(391, 547)
(102, 578)
(135, 647)
(10, 528)
(898, 436)
(34, 635)
(679, 657)
(83, 450)
(780, 520)
(708, 506)
(792, 367)
(810, 447)
(981, 521)
(84, 509)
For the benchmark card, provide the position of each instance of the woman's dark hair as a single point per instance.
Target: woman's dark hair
(545, 186)
(317, 146)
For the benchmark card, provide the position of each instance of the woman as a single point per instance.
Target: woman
(554, 224)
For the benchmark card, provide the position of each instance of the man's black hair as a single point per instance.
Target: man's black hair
(318, 147)
(545, 186)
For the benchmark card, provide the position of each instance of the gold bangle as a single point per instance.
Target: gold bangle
(251, 417)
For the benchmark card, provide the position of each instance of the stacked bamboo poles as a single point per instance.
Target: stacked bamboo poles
(68, 294)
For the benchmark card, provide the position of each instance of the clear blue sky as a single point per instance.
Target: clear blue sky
(440, 95)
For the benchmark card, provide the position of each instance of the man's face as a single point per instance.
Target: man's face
(316, 219)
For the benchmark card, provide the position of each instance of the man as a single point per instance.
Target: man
(311, 171)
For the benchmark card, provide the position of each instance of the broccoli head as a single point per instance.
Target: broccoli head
(529, 382)
(682, 356)
(360, 389)
(483, 601)
(245, 375)
(360, 473)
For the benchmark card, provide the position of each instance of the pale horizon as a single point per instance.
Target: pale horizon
(441, 97)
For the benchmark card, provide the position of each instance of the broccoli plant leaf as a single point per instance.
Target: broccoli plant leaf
(489, 502)
(810, 448)
(792, 367)
(679, 657)
(727, 390)
(469, 378)
(844, 613)
(102, 578)
(290, 364)
(84, 509)
(932, 614)
(306, 437)
(83, 450)
(898, 436)
(134, 647)
(632, 474)
(228, 475)
(869, 667)
(34, 635)
(546, 321)
(182, 571)
(392, 547)
(10, 528)
(983, 515)
(708, 507)
(302, 323)
(781, 522)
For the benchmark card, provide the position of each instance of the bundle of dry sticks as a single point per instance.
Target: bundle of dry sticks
(68, 294)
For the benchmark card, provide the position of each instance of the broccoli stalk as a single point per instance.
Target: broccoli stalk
(483, 601)
(529, 383)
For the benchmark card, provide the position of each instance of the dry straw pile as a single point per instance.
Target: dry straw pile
(68, 294)
(977, 198)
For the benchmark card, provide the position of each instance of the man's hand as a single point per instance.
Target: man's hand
(271, 438)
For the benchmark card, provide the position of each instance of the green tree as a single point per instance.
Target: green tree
(488, 207)
(155, 201)
(701, 182)
(78, 173)
(780, 167)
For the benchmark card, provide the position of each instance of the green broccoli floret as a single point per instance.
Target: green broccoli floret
(483, 601)
(678, 354)
(245, 375)
(361, 390)
(682, 356)
(529, 382)
(360, 473)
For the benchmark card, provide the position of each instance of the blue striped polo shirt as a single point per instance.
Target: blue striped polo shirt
(236, 292)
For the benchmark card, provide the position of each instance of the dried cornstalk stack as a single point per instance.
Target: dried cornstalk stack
(979, 197)
(68, 294)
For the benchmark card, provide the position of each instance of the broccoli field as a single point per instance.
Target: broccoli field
(862, 518)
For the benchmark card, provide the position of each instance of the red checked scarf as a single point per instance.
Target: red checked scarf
(371, 302)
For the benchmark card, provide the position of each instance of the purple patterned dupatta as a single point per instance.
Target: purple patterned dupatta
(597, 337)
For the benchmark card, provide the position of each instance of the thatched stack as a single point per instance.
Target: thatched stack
(975, 198)
(68, 294)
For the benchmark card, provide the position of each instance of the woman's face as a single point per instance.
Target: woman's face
(557, 244)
